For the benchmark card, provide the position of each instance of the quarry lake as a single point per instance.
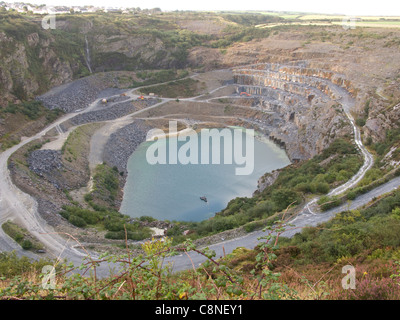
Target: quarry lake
(173, 191)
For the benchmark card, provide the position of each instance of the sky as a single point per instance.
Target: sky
(347, 7)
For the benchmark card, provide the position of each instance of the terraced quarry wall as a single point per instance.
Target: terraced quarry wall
(301, 103)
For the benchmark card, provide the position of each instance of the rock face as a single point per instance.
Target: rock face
(39, 61)
(267, 180)
(301, 113)
(27, 68)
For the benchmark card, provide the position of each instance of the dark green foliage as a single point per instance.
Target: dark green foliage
(240, 34)
(106, 186)
(21, 236)
(11, 265)
(360, 122)
(327, 203)
(112, 221)
(26, 245)
(131, 235)
(350, 233)
(147, 218)
(33, 110)
(252, 19)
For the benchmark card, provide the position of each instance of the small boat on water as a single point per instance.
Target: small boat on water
(203, 198)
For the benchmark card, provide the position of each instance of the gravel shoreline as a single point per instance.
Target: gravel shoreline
(123, 143)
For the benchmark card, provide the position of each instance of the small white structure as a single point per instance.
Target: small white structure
(157, 232)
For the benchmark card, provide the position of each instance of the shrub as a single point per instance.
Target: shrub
(327, 203)
(322, 187)
(26, 245)
(360, 122)
(351, 195)
(77, 221)
(12, 265)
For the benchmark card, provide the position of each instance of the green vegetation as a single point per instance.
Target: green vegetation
(33, 110)
(27, 112)
(13, 266)
(77, 144)
(236, 34)
(327, 203)
(150, 78)
(103, 214)
(307, 266)
(103, 218)
(392, 137)
(352, 232)
(21, 236)
(183, 88)
(145, 277)
(379, 173)
(251, 19)
(105, 185)
(362, 120)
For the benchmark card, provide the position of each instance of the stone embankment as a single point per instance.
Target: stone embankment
(301, 112)
(123, 143)
(46, 164)
(106, 113)
(80, 93)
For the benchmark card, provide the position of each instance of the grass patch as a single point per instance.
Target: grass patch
(103, 218)
(184, 88)
(24, 118)
(21, 236)
(106, 186)
(33, 110)
(153, 77)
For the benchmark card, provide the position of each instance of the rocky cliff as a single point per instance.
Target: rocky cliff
(30, 66)
(34, 60)
(301, 111)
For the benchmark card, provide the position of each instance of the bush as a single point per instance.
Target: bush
(284, 197)
(327, 203)
(77, 221)
(131, 235)
(12, 265)
(26, 245)
(322, 187)
(351, 195)
(360, 122)
(147, 218)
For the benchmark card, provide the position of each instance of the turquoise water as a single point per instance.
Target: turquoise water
(173, 191)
